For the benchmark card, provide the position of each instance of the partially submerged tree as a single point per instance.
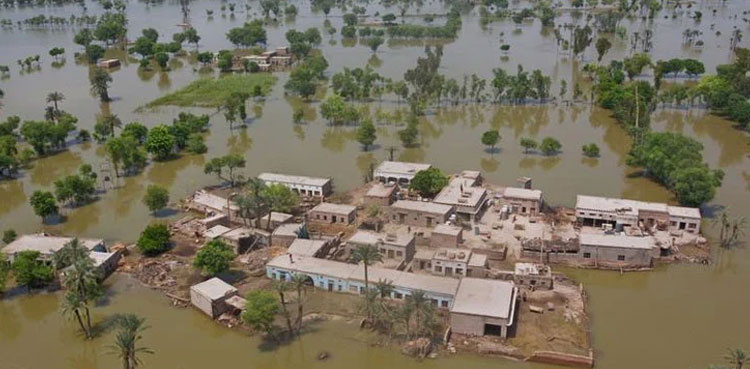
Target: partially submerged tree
(129, 333)
(491, 138)
(367, 255)
(156, 198)
(225, 167)
(260, 311)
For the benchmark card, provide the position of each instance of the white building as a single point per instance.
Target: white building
(302, 185)
(484, 307)
(398, 171)
(47, 246)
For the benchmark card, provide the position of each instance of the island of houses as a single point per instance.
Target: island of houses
(455, 247)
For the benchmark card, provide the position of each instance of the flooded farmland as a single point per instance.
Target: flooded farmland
(680, 316)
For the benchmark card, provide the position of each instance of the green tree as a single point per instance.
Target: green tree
(9, 235)
(249, 34)
(528, 144)
(30, 271)
(278, 198)
(590, 150)
(214, 258)
(124, 153)
(154, 239)
(156, 197)
(737, 358)
(428, 182)
(366, 133)
(602, 46)
(160, 143)
(409, 135)
(635, 64)
(162, 59)
(129, 333)
(374, 43)
(224, 167)
(100, 81)
(43, 203)
(491, 138)
(195, 144)
(550, 146)
(76, 188)
(81, 284)
(676, 161)
(261, 310)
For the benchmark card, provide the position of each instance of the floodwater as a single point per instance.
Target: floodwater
(680, 316)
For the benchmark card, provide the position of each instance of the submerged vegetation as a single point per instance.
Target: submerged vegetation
(213, 92)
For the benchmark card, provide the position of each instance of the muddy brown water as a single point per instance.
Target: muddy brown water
(680, 316)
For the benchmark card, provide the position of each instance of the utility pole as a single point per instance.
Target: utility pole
(391, 150)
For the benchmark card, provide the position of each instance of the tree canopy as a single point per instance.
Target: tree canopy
(428, 182)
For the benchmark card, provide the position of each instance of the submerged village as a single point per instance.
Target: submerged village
(480, 184)
(476, 259)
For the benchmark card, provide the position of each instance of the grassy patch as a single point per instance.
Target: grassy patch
(212, 92)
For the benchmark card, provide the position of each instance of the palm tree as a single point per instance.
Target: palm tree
(112, 121)
(100, 80)
(126, 340)
(55, 97)
(80, 281)
(422, 308)
(299, 282)
(367, 255)
(737, 358)
(71, 253)
(72, 305)
(384, 288)
(281, 288)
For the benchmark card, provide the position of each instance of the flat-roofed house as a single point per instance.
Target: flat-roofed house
(484, 307)
(327, 212)
(683, 218)
(242, 238)
(210, 296)
(310, 248)
(210, 204)
(398, 171)
(464, 195)
(277, 218)
(420, 213)
(285, 234)
(451, 262)
(522, 200)
(302, 185)
(444, 235)
(47, 246)
(381, 194)
(595, 211)
(532, 275)
(399, 246)
(617, 250)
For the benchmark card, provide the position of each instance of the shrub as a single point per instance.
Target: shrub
(154, 240)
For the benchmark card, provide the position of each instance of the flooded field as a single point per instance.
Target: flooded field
(682, 316)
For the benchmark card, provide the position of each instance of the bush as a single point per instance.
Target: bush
(31, 272)
(591, 150)
(9, 236)
(214, 258)
(154, 240)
